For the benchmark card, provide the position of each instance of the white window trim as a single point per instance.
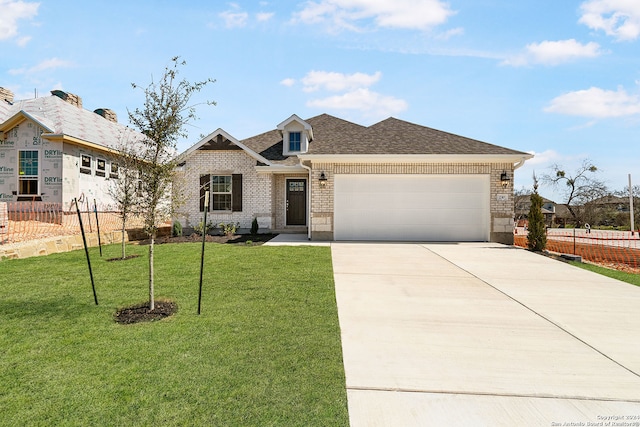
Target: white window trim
(90, 168)
(29, 177)
(304, 143)
(112, 174)
(98, 170)
(230, 192)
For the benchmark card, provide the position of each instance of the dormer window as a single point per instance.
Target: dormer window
(296, 136)
(294, 141)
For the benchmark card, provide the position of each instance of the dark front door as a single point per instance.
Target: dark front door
(296, 202)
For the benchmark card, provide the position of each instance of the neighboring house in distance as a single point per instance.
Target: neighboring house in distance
(337, 180)
(523, 205)
(52, 150)
(612, 203)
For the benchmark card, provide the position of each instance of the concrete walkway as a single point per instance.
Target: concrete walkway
(295, 240)
(483, 334)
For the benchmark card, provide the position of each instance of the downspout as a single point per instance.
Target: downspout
(308, 200)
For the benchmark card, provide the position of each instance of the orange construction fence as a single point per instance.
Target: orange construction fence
(609, 247)
(23, 221)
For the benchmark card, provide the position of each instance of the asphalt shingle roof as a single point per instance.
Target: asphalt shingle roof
(62, 118)
(391, 136)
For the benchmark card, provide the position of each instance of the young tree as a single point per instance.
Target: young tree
(580, 188)
(124, 183)
(162, 120)
(537, 236)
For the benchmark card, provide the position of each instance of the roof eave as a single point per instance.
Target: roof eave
(416, 158)
(280, 169)
(20, 117)
(80, 142)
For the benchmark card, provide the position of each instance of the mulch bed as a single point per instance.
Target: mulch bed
(163, 309)
(141, 313)
(235, 239)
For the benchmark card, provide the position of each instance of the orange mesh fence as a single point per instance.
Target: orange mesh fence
(25, 221)
(613, 248)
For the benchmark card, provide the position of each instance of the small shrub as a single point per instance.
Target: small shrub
(200, 228)
(230, 228)
(254, 226)
(249, 242)
(176, 231)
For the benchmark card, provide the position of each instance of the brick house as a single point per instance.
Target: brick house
(52, 150)
(337, 180)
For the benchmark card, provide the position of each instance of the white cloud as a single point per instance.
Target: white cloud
(451, 33)
(264, 16)
(337, 82)
(351, 93)
(234, 18)
(11, 12)
(370, 104)
(347, 14)
(544, 157)
(596, 103)
(617, 18)
(554, 53)
(47, 64)
(22, 41)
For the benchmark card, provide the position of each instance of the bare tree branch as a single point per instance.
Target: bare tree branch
(578, 188)
(166, 111)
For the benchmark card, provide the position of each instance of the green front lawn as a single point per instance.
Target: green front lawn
(265, 350)
(634, 279)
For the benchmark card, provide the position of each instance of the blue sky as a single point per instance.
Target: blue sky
(560, 79)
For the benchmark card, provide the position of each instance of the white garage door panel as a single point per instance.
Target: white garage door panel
(412, 207)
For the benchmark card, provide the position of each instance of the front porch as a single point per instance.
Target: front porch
(292, 229)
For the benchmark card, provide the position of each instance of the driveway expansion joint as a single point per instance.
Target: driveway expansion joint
(535, 312)
(468, 393)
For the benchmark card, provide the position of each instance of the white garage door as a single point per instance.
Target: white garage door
(436, 208)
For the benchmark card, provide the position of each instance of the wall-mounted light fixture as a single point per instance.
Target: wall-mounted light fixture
(323, 179)
(504, 179)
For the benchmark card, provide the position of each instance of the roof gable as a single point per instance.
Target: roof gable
(220, 140)
(291, 119)
(219, 143)
(60, 118)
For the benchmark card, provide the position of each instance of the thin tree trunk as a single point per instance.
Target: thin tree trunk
(151, 297)
(123, 245)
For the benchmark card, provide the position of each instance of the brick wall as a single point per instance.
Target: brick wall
(257, 199)
(502, 205)
(280, 197)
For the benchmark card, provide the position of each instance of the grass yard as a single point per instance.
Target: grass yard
(632, 278)
(265, 351)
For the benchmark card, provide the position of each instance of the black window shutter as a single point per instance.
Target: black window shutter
(236, 189)
(205, 184)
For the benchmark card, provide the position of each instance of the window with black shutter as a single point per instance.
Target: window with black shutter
(225, 192)
(236, 193)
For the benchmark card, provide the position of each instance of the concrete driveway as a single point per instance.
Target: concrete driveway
(483, 334)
